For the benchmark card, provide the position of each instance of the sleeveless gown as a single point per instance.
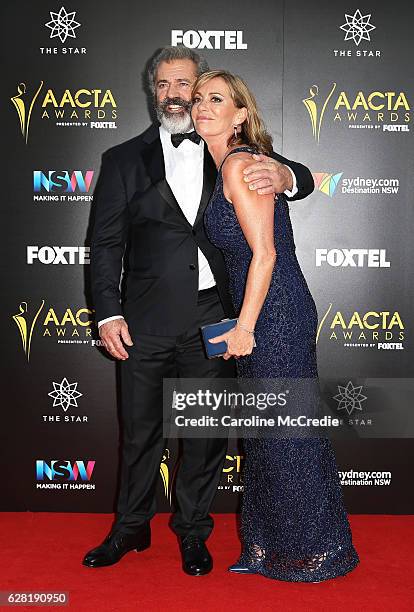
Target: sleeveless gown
(294, 525)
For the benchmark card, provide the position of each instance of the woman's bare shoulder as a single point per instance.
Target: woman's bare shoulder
(233, 177)
(234, 165)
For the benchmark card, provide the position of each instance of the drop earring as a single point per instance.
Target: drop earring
(235, 132)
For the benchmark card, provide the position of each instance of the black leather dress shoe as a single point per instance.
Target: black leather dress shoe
(116, 545)
(197, 560)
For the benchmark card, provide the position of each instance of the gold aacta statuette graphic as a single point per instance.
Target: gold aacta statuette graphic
(315, 112)
(24, 107)
(165, 474)
(25, 327)
(321, 324)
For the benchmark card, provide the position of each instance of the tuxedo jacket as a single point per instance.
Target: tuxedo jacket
(140, 233)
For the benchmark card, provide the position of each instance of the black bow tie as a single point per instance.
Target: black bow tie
(177, 139)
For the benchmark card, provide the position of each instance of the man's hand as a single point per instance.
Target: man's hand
(268, 175)
(111, 334)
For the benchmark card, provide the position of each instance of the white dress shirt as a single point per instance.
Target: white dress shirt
(184, 174)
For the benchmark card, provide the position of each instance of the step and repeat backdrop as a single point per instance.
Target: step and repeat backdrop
(332, 84)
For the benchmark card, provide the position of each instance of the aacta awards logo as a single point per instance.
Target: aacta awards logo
(383, 111)
(62, 26)
(90, 108)
(383, 330)
(232, 480)
(68, 326)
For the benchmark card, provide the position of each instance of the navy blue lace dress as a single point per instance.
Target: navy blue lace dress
(293, 524)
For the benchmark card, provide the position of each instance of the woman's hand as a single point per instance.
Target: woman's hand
(239, 342)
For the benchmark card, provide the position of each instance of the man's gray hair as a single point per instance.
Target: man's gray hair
(168, 54)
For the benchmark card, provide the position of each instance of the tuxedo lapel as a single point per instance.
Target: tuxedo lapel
(209, 179)
(153, 159)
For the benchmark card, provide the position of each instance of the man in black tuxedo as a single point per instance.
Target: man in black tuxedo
(149, 204)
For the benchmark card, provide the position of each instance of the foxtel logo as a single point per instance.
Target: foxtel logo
(208, 39)
(354, 258)
(58, 255)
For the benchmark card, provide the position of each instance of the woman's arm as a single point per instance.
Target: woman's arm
(255, 214)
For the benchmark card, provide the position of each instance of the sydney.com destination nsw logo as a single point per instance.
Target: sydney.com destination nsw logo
(83, 107)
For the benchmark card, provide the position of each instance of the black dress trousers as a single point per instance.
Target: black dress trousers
(151, 359)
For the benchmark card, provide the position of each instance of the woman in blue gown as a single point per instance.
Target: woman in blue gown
(293, 523)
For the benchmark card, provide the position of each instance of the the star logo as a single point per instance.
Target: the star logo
(349, 398)
(62, 24)
(357, 27)
(65, 394)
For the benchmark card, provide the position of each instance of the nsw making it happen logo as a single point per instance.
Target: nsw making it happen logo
(62, 186)
(64, 474)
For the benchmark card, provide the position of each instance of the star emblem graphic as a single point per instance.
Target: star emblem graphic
(62, 24)
(349, 398)
(65, 394)
(357, 27)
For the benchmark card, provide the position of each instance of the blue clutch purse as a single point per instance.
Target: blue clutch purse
(216, 329)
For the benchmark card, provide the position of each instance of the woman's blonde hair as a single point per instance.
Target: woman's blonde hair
(253, 132)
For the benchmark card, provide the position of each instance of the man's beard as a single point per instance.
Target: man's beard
(175, 123)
